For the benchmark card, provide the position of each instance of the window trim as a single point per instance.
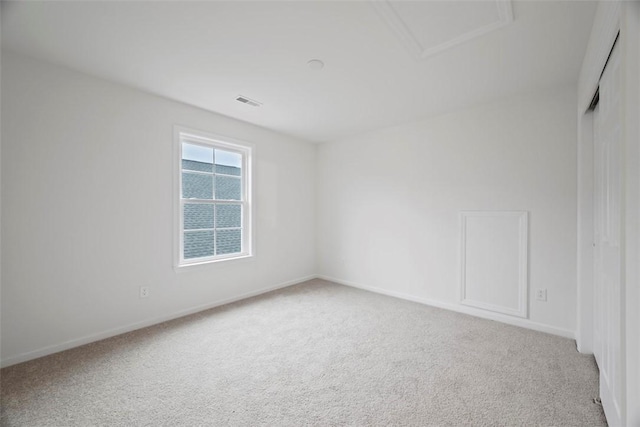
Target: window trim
(192, 136)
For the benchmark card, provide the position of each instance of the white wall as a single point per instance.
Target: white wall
(87, 210)
(388, 201)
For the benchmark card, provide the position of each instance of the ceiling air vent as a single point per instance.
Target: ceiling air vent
(248, 101)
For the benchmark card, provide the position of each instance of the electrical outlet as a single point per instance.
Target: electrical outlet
(541, 295)
(144, 291)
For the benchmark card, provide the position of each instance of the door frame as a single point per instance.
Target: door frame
(611, 18)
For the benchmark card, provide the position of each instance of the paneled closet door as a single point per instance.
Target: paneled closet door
(608, 219)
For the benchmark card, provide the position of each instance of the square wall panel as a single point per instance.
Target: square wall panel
(494, 261)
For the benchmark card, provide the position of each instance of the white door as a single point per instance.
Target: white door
(608, 219)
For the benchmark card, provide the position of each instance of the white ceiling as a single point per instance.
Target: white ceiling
(208, 53)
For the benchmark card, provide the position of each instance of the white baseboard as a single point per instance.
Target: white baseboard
(55, 348)
(45, 351)
(523, 323)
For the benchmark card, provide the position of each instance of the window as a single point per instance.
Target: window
(214, 198)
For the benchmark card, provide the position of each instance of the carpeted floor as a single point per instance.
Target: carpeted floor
(312, 354)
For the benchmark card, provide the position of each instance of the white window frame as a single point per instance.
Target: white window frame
(205, 139)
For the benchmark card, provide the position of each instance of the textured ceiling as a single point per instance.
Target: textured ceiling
(208, 53)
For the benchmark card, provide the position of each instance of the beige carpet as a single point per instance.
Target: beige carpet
(312, 354)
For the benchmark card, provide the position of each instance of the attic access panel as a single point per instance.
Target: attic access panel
(429, 27)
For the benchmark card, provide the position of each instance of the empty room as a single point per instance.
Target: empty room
(290, 213)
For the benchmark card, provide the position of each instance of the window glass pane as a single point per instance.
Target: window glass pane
(228, 163)
(198, 216)
(228, 170)
(227, 188)
(228, 241)
(197, 158)
(198, 244)
(197, 186)
(228, 216)
(211, 198)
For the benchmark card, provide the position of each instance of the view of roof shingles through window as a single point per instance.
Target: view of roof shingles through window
(211, 228)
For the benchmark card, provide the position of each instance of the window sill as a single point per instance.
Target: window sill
(203, 264)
